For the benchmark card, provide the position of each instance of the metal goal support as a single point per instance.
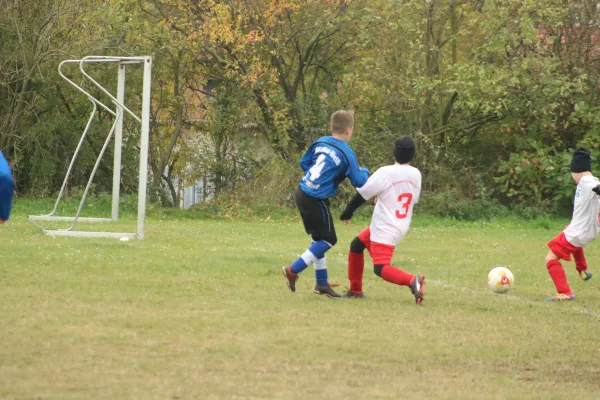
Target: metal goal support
(116, 131)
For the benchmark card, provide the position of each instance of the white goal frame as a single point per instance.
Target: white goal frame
(117, 131)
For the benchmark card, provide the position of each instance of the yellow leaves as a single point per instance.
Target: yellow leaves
(277, 10)
(222, 28)
(254, 36)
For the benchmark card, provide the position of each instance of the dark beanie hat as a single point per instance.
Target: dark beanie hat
(404, 149)
(581, 160)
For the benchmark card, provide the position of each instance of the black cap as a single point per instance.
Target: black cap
(581, 161)
(404, 149)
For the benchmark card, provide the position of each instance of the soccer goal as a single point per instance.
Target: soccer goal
(116, 130)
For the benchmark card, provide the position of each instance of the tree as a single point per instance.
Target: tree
(281, 53)
(37, 116)
(29, 32)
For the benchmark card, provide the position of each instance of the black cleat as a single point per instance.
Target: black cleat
(326, 290)
(291, 278)
(585, 275)
(417, 287)
(353, 295)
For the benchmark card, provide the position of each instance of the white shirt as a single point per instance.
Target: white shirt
(398, 188)
(584, 226)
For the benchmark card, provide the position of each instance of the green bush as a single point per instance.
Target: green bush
(534, 177)
(448, 205)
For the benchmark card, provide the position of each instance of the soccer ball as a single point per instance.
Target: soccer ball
(500, 280)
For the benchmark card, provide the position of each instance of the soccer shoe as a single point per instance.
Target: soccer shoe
(326, 290)
(561, 297)
(353, 295)
(291, 278)
(417, 287)
(585, 275)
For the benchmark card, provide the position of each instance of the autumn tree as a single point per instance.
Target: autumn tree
(40, 118)
(29, 35)
(283, 54)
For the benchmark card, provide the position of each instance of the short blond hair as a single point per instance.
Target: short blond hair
(341, 120)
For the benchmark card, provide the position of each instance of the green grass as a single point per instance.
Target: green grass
(199, 310)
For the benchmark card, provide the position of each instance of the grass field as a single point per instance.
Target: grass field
(199, 310)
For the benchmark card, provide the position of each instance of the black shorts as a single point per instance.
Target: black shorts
(316, 217)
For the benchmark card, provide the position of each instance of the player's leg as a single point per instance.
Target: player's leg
(559, 249)
(324, 238)
(308, 208)
(581, 264)
(382, 257)
(356, 263)
(319, 224)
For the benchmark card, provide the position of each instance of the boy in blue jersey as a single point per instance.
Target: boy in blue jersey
(6, 189)
(326, 163)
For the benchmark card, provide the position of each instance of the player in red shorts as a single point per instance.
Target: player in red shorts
(582, 229)
(397, 188)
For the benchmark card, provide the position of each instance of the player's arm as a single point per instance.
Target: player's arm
(356, 202)
(417, 194)
(364, 193)
(6, 189)
(6, 194)
(306, 160)
(358, 176)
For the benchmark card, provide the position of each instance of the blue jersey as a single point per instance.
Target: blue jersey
(326, 163)
(6, 188)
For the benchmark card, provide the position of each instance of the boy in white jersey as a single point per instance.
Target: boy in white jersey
(582, 229)
(397, 188)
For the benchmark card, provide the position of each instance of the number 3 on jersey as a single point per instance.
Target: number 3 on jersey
(404, 199)
(315, 171)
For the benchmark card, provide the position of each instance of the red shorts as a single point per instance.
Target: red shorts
(561, 247)
(380, 253)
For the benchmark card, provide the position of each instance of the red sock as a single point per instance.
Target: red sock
(396, 275)
(557, 273)
(356, 269)
(580, 262)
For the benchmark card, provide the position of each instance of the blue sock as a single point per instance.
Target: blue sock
(322, 278)
(319, 248)
(299, 265)
(321, 271)
(315, 251)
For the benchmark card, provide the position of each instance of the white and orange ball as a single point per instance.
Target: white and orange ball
(500, 280)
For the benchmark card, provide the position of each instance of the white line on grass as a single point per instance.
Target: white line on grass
(340, 258)
(509, 297)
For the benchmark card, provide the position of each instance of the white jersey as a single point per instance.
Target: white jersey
(398, 188)
(584, 226)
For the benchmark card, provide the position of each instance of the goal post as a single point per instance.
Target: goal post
(117, 131)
